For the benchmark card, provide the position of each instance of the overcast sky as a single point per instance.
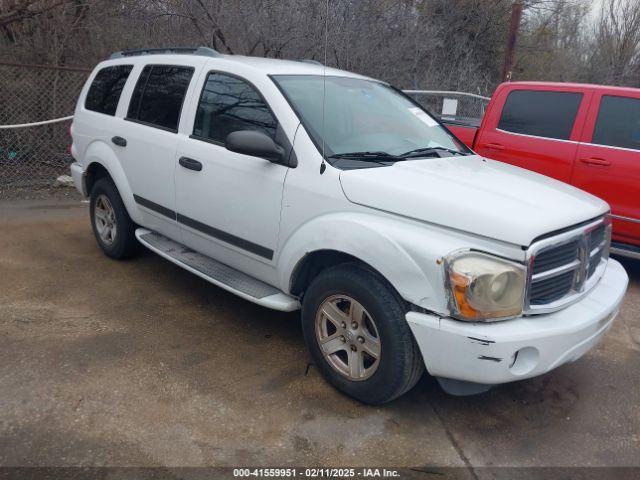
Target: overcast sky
(596, 5)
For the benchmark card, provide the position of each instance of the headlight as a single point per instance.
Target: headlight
(484, 287)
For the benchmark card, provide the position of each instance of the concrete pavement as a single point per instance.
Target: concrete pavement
(140, 363)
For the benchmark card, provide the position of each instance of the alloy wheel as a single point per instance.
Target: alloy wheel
(348, 337)
(104, 217)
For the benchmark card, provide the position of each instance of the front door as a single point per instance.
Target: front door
(536, 129)
(228, 204)
(608, 161)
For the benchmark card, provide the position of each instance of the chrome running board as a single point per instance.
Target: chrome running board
(218, 273)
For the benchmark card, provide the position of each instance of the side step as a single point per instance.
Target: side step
(217, 273)
(624, 250)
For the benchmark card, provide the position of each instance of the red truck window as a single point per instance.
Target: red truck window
(618, 123)
(540, 113)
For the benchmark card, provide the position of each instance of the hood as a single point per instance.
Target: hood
(473, 194)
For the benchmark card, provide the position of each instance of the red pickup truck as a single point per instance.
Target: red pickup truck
(585, 135)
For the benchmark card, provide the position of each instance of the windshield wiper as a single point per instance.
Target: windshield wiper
(421, 152)
(365, 155)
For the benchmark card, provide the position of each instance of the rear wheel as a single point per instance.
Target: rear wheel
(113, 228)
(355, 328)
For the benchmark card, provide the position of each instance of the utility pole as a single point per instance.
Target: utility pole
(516, 14)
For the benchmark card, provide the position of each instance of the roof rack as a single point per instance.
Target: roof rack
(204, 51)
(308, 60)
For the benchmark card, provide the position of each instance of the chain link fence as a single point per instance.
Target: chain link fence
(467, 108)
(32, 157)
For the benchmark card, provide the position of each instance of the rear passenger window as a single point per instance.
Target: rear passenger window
(106, 88)
(158, 96)
(229, 104)
(540, 113)
(618, 122)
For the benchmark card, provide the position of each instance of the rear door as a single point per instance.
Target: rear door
(149, 140)
(536, 129)
(608, 161)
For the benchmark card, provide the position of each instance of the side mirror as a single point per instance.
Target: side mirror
(255, 144)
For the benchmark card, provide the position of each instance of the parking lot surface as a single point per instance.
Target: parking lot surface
(140, 363)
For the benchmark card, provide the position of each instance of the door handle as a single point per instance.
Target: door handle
(121, 142)
(190, 163)
(601, 162)
(495, 146)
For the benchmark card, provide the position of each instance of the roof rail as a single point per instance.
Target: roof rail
(308, 60)
(204, 51)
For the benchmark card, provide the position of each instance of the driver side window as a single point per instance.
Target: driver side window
(228, 104)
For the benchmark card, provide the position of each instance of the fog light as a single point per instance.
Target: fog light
(524, 360)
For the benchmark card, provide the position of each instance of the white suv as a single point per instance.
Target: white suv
(298, 186)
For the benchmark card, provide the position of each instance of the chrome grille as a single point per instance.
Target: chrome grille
(564, 267)
(596, 237)
(556, 257)
(597, 241)
(552, 289)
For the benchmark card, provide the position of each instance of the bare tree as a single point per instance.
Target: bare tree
(436, 44)
(553, 45)
(616, 46)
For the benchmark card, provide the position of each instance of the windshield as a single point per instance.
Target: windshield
(364, 116)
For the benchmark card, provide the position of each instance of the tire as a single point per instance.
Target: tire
(399, 364)
(105, 199)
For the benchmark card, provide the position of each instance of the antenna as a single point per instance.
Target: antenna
(323, 165)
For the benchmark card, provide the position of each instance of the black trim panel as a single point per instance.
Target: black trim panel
(569, 228)
(154, 206)
(206, 229)
(207, 140)
(152, 125)
(226, 237)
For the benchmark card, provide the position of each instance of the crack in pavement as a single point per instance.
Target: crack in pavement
(454, 442)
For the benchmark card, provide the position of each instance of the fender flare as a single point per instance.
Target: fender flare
(99, 152)
(364, 237)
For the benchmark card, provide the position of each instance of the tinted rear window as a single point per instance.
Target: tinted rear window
(159, 94)
(106, 88)
(540, 113)
(618, 122)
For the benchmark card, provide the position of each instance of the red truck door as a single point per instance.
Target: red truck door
(536, 128)
(608, 160)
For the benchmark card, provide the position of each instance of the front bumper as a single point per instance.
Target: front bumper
(500, 352)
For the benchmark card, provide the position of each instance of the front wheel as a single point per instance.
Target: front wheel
(355, 328)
